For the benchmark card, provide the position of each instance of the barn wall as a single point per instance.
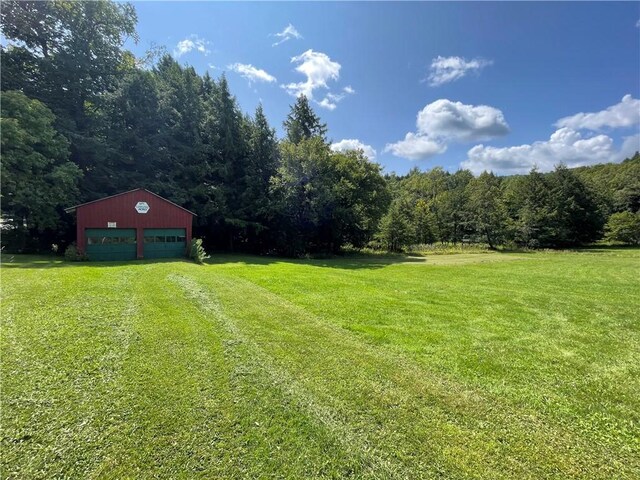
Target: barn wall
(121, 210)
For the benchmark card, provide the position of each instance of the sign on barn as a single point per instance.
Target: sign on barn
(142, 207)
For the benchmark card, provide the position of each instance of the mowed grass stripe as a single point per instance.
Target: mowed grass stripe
(173, 398)
(60, 360)
(344, 456)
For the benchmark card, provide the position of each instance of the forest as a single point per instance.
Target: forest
(83, 118)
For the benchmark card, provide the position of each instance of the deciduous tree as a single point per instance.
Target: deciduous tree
(624, 227)
(38, 179)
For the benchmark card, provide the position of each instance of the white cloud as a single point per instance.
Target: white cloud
(331, 100)
(444, 121)
(354, 144)
(630, 146)
(448, 69)
(319, 70)
(287, 34)
(327, 103)
(251, 73)
(416, 147)
(457, 121)
(623, 114)
(565, 145)
(335, 97)
(193, 42)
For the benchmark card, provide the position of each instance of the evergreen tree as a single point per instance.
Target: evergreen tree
(303, 123)
(262, 166)
(453, 206)
(227, 134)
(180, 168)
(487, 212)
(395, 230)
(575, 217)
(528, 198)
(264, 153)
(301, 195)
(133, 133)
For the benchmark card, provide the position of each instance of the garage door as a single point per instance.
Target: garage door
(164, 242)
(111, 243)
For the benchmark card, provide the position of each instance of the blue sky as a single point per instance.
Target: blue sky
(499, 86)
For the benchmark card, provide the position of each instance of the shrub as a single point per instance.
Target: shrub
(71, 254)
(197, 252)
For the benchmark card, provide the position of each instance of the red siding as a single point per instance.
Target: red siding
(121, 210)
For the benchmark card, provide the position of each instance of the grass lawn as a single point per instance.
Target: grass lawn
(486, 365)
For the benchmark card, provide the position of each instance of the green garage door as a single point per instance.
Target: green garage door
(111, 243)
(164, 242)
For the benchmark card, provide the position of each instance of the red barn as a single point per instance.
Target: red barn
(130, 225)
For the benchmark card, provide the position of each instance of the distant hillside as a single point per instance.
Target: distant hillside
(618, 183)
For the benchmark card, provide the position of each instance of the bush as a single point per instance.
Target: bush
(197, 252)
(71, 254)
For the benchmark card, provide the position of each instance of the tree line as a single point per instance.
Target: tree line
(563, 208)
(83, 118)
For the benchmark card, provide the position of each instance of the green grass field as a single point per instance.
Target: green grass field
(461, 366)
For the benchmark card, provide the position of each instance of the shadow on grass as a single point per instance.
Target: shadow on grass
(607, 249)
(349, 262)
(49, 261)
(578, 249)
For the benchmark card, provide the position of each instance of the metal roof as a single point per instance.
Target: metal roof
(73, 209)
